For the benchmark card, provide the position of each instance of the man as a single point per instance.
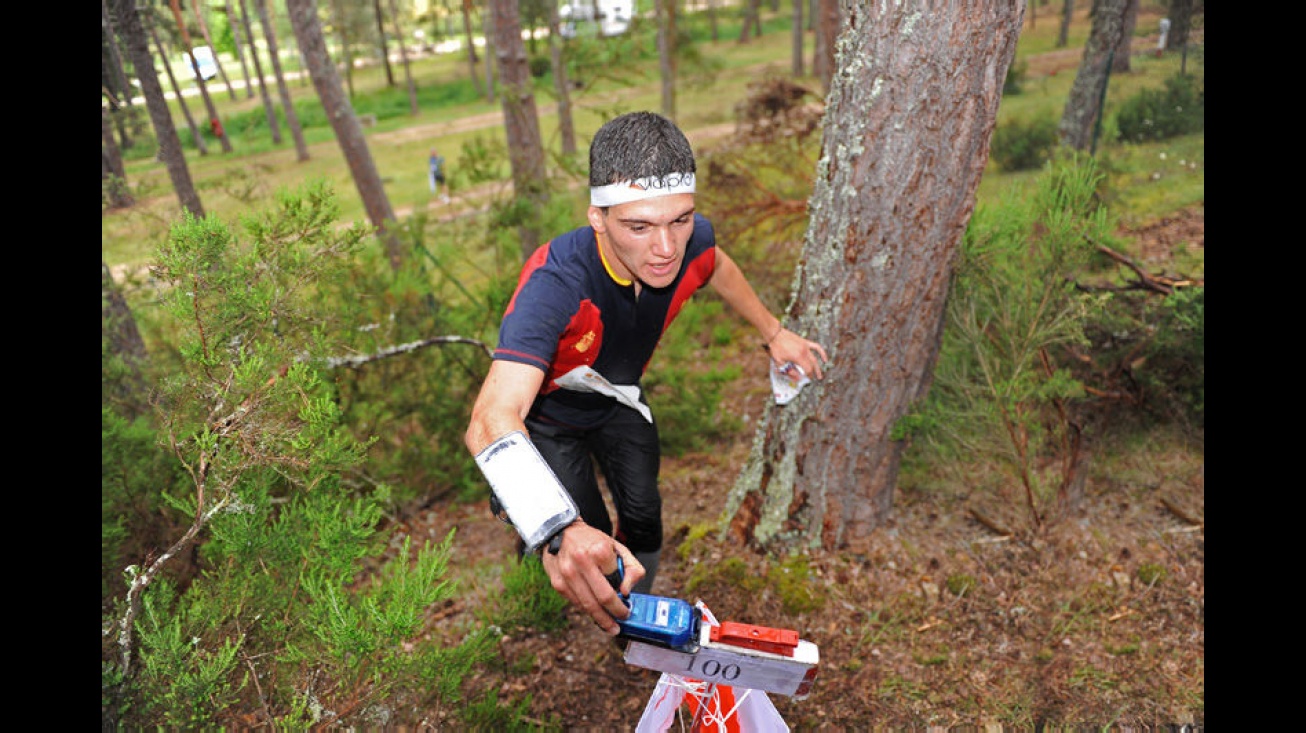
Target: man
(588, 312)
(435, 173)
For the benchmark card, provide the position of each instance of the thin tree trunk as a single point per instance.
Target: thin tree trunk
(237, 23)
(1120, 62)
(403, 57)
(487, 21)
(797, 67)
(287, 104)
(1085, 102)
(268, 108)
(385, 45)
(752, 20)
(520, 120)
(487, 24)
(122, 339)
(561, 85)
(905, 143)
(349, 133)
(666, 19)
(1181, 24)
(345, 51)
(827, 32)
(215, 121)
(471, 47)
(113, 174)
(204, 31)
(711, 20)
(123, 97)
(165, 133)
(1067, 14)
(200, 145)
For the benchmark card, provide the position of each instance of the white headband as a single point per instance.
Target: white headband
(638, 190)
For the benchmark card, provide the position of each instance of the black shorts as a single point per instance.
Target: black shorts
(626, 449)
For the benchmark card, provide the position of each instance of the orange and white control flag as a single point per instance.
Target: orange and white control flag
(713, 708)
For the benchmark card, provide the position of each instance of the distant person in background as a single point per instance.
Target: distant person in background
(1164, 37)
(435, 173)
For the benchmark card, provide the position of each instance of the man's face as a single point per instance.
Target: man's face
(645, 240)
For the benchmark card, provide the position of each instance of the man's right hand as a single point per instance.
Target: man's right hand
(577, 572)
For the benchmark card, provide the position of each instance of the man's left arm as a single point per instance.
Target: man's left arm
(783, 345)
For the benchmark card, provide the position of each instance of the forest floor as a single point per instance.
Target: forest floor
(938, 620)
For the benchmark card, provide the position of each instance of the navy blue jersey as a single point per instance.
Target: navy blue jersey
(569, 311)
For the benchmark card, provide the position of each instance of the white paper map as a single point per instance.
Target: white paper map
(787, 381)
(584, 379)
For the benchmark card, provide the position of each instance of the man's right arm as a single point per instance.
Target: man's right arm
(586, 554)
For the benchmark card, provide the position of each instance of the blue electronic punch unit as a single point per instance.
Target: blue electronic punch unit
(669, 622)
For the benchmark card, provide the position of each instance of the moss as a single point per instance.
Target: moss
(731, 572)
(791, 581)
(1151, 573)
(960, 584)
(695, 533)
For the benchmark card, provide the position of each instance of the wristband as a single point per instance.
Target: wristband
(523, 484)
(555, 542)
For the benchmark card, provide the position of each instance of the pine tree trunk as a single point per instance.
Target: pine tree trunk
(385, 46)
(129, 24)
(561, 85)
(797, 67)
(349, 133)
(520, 119)
(906, 138)
(1120, 60)
(122, 339)
(204, 31)
(471, 46)
(237, 23)
(287, 104)
(827, 32)
(113, 174)
(268, 108)
(196, 135)
(215, 121)
(666, 18)
(346, 52)
(1181, 19)
(413, 109)
(1067, 14)
(122, 97)
(1085, 101)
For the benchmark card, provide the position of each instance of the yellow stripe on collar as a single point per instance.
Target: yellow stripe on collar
(623, 282)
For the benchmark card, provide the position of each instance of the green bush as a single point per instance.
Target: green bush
(1015, 79)
(1021, 145)
(540, 65)
(1155, 114)
(282, 527)
(528, 600)
(997, 394)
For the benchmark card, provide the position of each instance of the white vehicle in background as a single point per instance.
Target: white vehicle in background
(613, 16)
(208, 67)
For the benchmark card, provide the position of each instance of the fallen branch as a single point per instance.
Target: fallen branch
(357, 361)
(1156, 283)
(1179, 512)
(990, 522)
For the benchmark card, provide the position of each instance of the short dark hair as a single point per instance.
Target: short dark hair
(638, 145)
